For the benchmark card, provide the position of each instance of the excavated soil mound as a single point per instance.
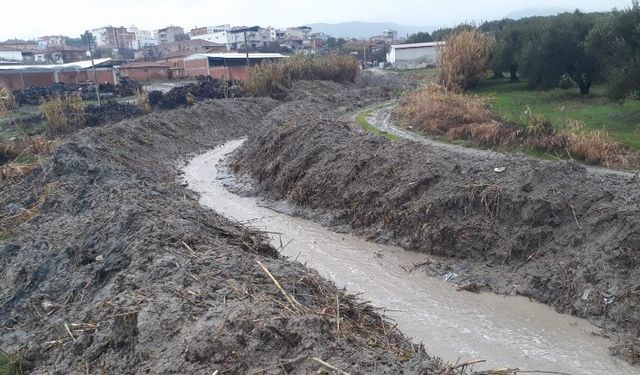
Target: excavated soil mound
(110, 111)
(548, 230)
(110, 267)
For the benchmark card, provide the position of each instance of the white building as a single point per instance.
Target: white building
(414, 55)
(101, 36)
(301, 32)
(10, 54)
(142, 38)
(256, 37)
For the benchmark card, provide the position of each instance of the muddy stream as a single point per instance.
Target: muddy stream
(506, 331)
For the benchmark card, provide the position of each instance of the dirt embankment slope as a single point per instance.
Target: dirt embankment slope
(115, 268)
(551, 231)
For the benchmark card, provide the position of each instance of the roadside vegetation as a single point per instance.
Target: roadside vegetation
(566, 94)
(434, 110)
(362, 121)
(269, 79)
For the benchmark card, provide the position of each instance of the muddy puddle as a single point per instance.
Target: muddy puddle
(457, 326)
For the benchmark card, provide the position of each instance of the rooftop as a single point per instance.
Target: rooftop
(418, 45)
(231, 56)
(55, 67)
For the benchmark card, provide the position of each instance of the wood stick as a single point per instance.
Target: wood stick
(330, 366)
(66, 326)
(338, 313)
(284, 293)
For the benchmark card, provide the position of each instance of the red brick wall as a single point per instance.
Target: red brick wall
(15, 80)
(235, 72)
(198, 67)
(141, 73)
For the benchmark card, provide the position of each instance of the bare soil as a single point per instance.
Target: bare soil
(109, 266)
(552, 231)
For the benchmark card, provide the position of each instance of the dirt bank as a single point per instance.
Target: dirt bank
(109, 266)
(548, 230)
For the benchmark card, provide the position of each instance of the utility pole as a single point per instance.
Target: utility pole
(246, 48)
(89, 37)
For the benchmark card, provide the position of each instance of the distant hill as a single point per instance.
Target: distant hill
(362, 30)
(532, 12)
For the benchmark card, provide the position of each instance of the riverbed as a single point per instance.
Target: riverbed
(457, 326)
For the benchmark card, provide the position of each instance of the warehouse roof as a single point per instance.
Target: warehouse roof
(69, 66)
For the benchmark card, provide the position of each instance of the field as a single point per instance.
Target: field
(512, 100)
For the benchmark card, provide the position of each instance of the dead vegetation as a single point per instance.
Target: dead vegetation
(435, 110)
(24, 150)
(465, 59)
(63, 115)
(7, 100)
(269, 79)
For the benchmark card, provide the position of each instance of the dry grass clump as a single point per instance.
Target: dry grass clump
(7, 100)
(269, 78)
(437, 111)
(63, 115)
(142, 100)
(465, 59)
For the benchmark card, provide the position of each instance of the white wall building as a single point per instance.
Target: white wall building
(10, 54)
(260, 38)
(143, 38)
(414, 55)
(101, 36)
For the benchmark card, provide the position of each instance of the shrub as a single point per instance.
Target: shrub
(436, 110)
(63, 115)
(465, 59)
(270, 78)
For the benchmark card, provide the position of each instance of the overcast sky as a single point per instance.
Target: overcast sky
(31, 18)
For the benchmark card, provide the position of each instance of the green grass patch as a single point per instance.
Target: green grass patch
(361, 119)
(6, 366)
(512, 99)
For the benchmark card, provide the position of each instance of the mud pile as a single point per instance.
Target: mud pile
(547, 230)
(110, 266)
(87, 91)
(109, 112)
(205, 88)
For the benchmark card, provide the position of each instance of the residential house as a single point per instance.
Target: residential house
(215, 34)
(10, 54)
(168, 34)
(61, 55)
(22, 45)
(142, 38)
(186, 47)
(113, 37)
(301, 32)
(255, 37)
(50, 41)
(414, 55)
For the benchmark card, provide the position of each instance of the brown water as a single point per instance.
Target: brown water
(506, 331)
